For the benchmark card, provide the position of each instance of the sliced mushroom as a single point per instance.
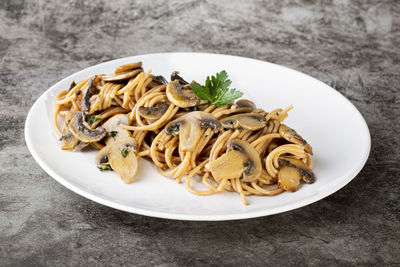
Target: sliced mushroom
(87, 94)
(72, 85)
(241, 160)
(127, 67)
(159, 80)
(306, 173)
(70, 143)
(292, 136)
(121, 157)
(123, 160)
(289, 178)
(155, 112)
(189, 128)
(245, 103)
(121, 75)
(248, 121)
(113, 129)
(101, 159)
(253, 164)
(79, 129)
(181, 96)
(175, 76)
(229, 165)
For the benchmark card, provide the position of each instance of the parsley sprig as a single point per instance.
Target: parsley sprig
(216, 90)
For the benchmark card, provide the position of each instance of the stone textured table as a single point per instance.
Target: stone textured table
(352, 45)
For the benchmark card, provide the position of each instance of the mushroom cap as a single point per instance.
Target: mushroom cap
(123, 160)
(306, 173)
(253, 163)
(229, 165)
(121, 75)
(154, 112)
(70, 143)
(175, 76)
(101, 158)
(189, 127)
(127, 67)
(248, 121)
(112, 125)
(82, 132)
(87, 94)
(292, 136)
(159, 79)
(240, 161)
(289, 178)
(180, 96)
(245, 103)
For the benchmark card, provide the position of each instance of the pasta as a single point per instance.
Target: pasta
(233, 147)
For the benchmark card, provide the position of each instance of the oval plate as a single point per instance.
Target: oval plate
(327, 120)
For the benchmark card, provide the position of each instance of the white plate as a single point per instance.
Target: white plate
(327, 120)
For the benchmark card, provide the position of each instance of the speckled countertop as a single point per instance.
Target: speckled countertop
(352, 45)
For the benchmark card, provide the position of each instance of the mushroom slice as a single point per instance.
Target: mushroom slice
(306, 173)
(83, 133)
(129, 66)
(113, 129)
(252, 165)
(68, 141)
(181, 96)
(228, 166)
(87, 94)
(189, 128)
(101, 159)
(248, 121)
(159, 80)
(292, 136)
(72, 85)
(122, 158)
(245, 103)
(175, 76)
(155, 112)
(122, 75)
(289, 178)
(240, 161)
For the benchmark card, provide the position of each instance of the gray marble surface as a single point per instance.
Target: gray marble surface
(352, 45)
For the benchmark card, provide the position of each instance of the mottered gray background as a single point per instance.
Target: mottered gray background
(352, 45)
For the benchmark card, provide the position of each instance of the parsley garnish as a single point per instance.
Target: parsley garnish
(246, 164)
(125, 151)
(105, 168)
(216, 90)
(112, 133)
(90, 118)
(78, 92)
(81, 128)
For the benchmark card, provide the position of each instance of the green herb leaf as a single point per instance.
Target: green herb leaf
(91, 118)
(125, 151)
(113, 133)
(246, 164)
(216, 90)
(105, 168)
(78, 92)
(202, 92)
(81, 128)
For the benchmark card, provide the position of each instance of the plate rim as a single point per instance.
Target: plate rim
(182, 216)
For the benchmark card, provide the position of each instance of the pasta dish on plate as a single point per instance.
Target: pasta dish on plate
(186, 129)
